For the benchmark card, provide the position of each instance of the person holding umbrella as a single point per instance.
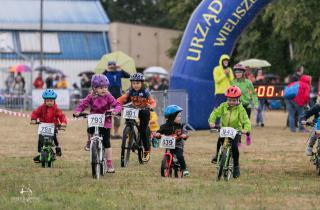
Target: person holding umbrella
(114, 75)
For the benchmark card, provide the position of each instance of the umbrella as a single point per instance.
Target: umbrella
(89, 73)
(255, 63)
(122, 60)
(19, 68)
(49, 70)
(155, 70)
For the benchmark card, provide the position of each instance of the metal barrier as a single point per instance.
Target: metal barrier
(167, 97)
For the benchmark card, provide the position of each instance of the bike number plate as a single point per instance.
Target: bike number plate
(46, 129)
(168, 142)
(130, 113)
(96, 120)
(228, 132)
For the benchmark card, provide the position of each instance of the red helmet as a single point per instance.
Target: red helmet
(233, 92)
(239, 67)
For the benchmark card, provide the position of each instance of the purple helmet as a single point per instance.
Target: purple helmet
(99, 80)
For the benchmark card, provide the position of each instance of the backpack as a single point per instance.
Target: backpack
(290, 92)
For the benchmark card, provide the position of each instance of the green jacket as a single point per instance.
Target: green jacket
(235, 117)
(221, 80)
(247, 90)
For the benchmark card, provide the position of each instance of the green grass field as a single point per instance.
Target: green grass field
(275, 174)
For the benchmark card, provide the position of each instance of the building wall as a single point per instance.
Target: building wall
(146, 45)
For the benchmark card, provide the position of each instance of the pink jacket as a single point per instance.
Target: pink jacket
(99, 105)
(303, 96)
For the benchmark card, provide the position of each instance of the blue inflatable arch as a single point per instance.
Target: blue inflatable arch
(213, 30)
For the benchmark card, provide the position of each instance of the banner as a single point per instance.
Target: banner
(213, 30)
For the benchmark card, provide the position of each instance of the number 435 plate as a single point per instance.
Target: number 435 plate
(168, 142)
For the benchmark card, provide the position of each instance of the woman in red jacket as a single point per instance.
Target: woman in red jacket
(297, 104)
(49, 112)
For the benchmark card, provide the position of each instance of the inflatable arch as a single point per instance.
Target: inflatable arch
(213, 30)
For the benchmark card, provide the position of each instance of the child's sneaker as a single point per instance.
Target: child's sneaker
(36, 159)
(214, 159)
(146, 156)
(309, 151)
(87, 147)
(58, 151)
(236, 172)
(186, 173)
(110, 168)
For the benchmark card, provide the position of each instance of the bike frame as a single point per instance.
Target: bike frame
(98, 139)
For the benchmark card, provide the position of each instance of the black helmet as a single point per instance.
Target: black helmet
(137, 77)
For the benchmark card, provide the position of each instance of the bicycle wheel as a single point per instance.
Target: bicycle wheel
(140, 148)
(229, 171)
(95, 165)
(126, 145)
(165, 170)
(44, 158)
(220, 167)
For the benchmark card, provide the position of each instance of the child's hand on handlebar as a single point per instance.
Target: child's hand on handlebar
(303, 122)
(33, 122)
(184, 136)
(76, 114)
(157, 135)
(63, 125)
(244, 131)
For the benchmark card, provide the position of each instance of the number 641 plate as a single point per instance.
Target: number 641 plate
(168, 142)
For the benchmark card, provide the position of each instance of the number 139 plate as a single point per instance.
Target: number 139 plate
(130, 113)
(168, 142)
(96, 120)
(46, 129)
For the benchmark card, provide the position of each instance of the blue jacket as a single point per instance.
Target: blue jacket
(114, 78)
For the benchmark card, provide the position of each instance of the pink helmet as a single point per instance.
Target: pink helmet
(99, 80)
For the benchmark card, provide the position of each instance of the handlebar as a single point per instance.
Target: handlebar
(135, 107)
(60, 127)
(217, 130)
(85, 115)
(310, 124)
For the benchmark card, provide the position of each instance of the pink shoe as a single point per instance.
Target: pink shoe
(248, 139)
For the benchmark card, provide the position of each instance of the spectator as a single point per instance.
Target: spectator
(9, 82)
(62, 83)
(85, 84)
(223, 75)
(19, 84)
(297, 104)
(164, 85)
(114, 75)
(299, 72)
(75, 94)
(262, 102)
(49, 81)
(38, 82)
(56, 80)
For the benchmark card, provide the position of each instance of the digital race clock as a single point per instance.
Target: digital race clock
(269, 91)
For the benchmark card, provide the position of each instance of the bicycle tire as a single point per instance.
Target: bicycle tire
(44, 158)
(140, 149)
(221, 165)
(127, 139)
(95, 166)
(165, 170)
